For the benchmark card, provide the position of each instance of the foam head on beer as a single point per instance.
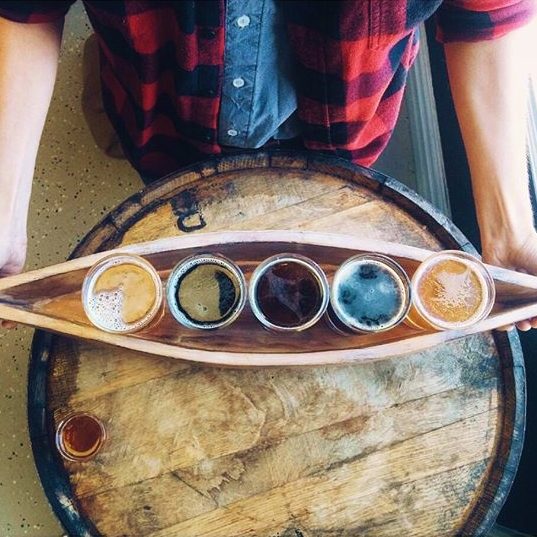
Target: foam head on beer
(122, 294)
(451, 290)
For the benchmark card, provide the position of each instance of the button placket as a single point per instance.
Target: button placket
(239, 72)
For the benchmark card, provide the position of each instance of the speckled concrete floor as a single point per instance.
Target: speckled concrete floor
(75, 185)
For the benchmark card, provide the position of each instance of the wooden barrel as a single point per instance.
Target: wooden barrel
(422, 445)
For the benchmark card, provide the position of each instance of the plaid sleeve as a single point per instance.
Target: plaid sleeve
(34, 12)
(477, 20)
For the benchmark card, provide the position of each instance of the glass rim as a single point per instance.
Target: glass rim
(485, 279)
(117, 259)
(58, 439)
(394, 267)
(312, 266)
(204, 259)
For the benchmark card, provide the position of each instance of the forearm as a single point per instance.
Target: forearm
(28, 65)
(489, 82)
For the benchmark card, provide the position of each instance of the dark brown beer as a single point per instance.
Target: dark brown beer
(288, 292)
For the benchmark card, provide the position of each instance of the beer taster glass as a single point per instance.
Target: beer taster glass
(206, 292)
(451, 290)
(80, 436)
(122, 293)
(288, 293)
(370, 293)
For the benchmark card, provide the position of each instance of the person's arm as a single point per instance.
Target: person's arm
(489, 81)
(28, 65)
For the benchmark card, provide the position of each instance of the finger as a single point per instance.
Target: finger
(533, 322)
(8, 325)
(524, 326)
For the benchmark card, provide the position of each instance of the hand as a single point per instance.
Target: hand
(516, 255)
(12, 258)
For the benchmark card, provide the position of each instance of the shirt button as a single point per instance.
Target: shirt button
(243, 21)
(232, 132)
(238, 82)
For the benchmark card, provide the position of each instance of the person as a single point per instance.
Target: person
(184, 80)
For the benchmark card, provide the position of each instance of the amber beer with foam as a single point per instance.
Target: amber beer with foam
(451, 290)
(122, 294)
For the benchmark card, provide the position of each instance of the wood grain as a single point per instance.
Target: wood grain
(422, 445)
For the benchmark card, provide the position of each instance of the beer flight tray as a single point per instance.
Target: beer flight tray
(50, 299)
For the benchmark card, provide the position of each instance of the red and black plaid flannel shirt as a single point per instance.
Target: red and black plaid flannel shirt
(162, 64)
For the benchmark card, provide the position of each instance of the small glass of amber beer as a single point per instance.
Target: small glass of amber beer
(122, 293)
(80, 436)
(451, 290)
(288, 293)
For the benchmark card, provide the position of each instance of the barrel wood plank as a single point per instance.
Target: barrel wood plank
(422, 445)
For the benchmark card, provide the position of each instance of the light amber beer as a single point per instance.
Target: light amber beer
(451, 290)
(122, 294)
(206, 292)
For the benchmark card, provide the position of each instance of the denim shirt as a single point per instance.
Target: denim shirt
(258, 93)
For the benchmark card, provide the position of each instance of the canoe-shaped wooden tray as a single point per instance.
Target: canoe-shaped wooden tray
(49, 298)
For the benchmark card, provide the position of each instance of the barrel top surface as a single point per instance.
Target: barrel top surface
(425, 444)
